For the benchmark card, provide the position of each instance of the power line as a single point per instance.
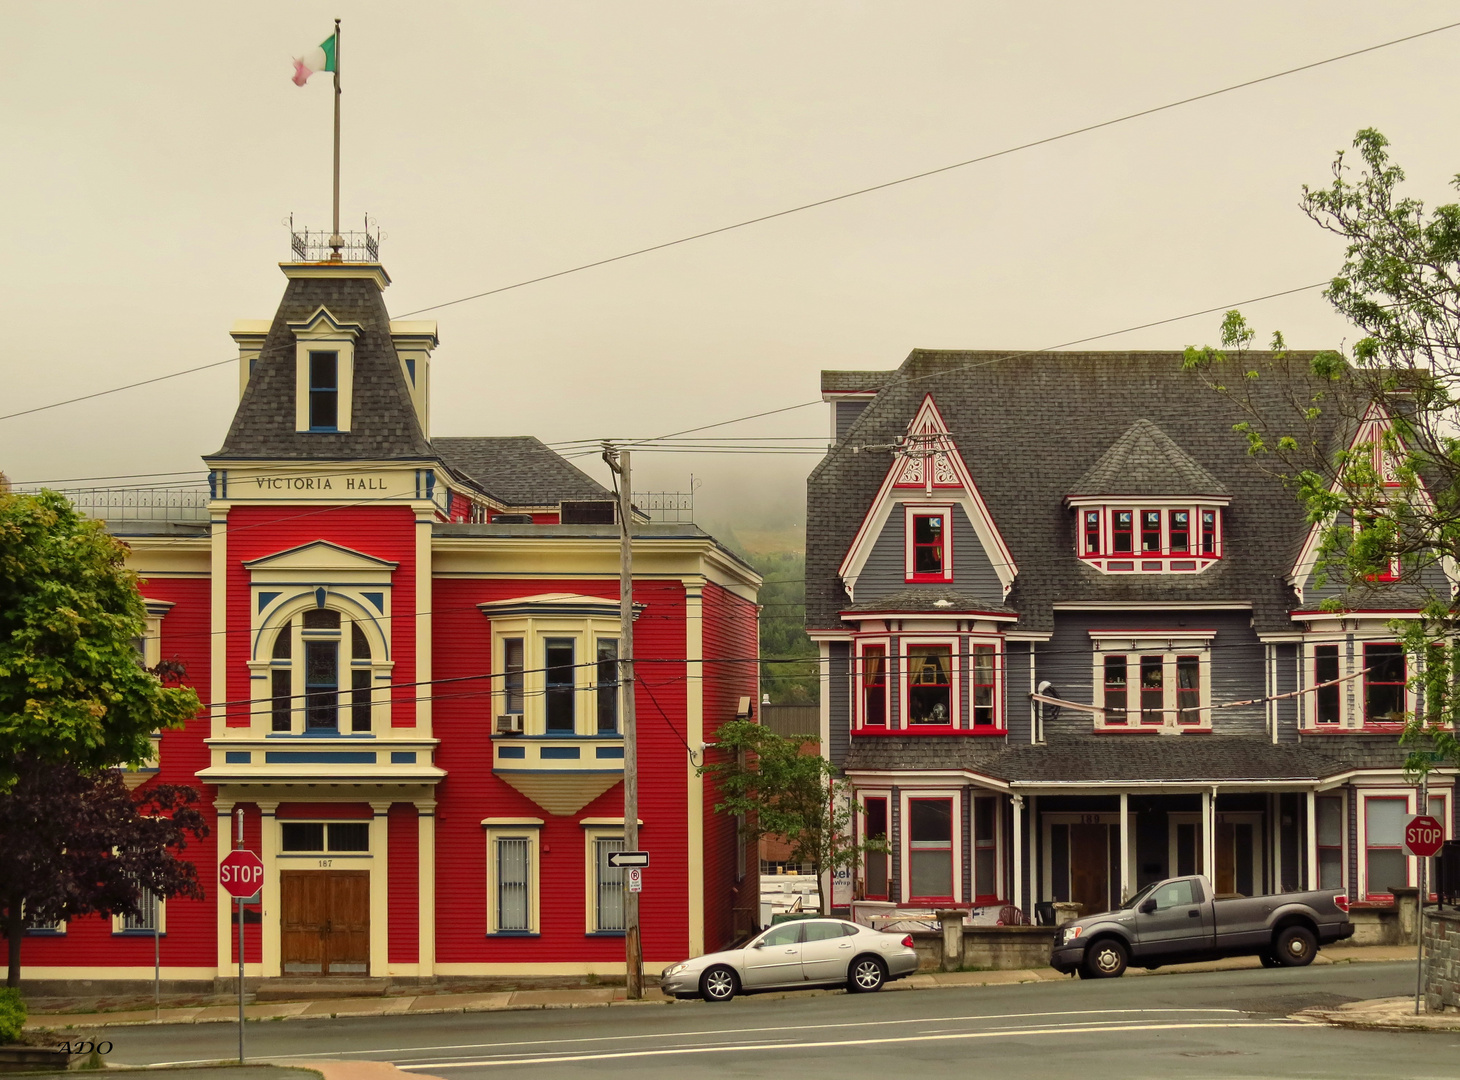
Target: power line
(1045, 141)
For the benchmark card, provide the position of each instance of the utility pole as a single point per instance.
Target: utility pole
(618, 461)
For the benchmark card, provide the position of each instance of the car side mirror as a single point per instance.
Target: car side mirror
(758, 945)
(1148, 906)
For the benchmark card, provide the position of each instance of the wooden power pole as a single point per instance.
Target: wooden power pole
(633, 950)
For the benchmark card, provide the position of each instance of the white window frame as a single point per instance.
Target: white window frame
(1345, 869)
(1135, 644)
(913, 510)
(999, 875)
(529, 829)
(1351, 706)
(1364, 795)
(534, 631)
(955, 675)
(904, 838)
(998, 647)
(321, 333)
(591, 836)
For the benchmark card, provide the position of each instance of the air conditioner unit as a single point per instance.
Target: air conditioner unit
(510, 724)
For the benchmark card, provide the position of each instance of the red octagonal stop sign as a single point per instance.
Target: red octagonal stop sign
(1423, 836)
(241, 873)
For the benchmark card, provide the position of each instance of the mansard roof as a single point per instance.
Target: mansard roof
(383, 423)
(518, 470)
(1145, 461)
(1102, 759)
(1029, 427)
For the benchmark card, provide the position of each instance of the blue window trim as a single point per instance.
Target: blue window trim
(137, 933)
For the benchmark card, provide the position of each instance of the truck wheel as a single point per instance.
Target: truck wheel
(1296, 947)
(1106, 959)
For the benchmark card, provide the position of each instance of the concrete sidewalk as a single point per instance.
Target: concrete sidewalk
(1382, 1014)
(605, 996)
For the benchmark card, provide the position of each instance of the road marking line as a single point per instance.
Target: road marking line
(839, 1043)
(355, 1054)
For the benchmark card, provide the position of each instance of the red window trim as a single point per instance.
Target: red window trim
(912, 513)
(1116, 532)
(864, 691)
(1160, 548)
(885, 798)
(1383, 725)
(955, 720)
(995, 667)
(1172, 530)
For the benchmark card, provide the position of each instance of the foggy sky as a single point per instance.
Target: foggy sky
(154, 149)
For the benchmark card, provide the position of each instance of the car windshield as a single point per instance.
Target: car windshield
(1135, 900)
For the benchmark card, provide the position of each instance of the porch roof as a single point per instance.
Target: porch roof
(1104, 759)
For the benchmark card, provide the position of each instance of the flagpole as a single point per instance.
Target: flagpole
(336, 242)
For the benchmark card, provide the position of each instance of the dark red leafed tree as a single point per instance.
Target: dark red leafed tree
(74, 845)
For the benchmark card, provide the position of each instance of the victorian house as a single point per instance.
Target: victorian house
(1073, 641)
(407, 646)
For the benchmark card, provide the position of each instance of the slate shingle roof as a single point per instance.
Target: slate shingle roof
(1029, 427)
(1103, 759)
(518, 470)
(383, 421)
(850, 382)
(1144, 461)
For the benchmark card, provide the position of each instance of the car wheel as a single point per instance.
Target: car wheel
(866, 975)
(1106, 959)
(718, 984)
(1268, 960)
(1296, 947)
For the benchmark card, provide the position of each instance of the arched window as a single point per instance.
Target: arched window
(317, 686)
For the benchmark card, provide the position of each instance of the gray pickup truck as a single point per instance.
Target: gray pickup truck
(1179, 920)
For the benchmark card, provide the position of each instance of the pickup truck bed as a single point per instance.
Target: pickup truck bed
(1179, 920)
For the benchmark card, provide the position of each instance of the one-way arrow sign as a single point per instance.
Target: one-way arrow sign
(628, 858)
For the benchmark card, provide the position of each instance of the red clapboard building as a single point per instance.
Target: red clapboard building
(408, 649)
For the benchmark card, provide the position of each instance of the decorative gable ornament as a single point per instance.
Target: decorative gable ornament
(927, 452)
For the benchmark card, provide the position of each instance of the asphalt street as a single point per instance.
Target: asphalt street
(1213, 1024)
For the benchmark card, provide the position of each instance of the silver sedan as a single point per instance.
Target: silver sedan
(804, 953)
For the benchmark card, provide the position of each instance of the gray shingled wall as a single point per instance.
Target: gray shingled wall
(1287, 681)
(846, 415)
(838, 695)
(886, 569)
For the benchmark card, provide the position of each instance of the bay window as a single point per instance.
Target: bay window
(1188, 689)
(874, 685)
(1180, 531)
(1153, 690)
(1116, 696)
(607, 689)
(981, 682)
(1146, 689)
(1326, 699)
(1150, 532)
(561, 680)
(1121, 534)
(1092, 532)
(1209, 532)
(512, 665)
(930, 685)
(1384, 683)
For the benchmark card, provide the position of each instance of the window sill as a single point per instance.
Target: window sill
(929, 579)
(605, 933)
(320, 733)
(138, 934)
(513, 934)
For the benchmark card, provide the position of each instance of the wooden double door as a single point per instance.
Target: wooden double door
(325, 916)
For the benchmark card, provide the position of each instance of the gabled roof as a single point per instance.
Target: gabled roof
(1145, 461)
(383, 420)
(518, 470)
(1029, 427)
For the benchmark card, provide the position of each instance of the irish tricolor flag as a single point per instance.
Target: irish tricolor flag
(320, 58)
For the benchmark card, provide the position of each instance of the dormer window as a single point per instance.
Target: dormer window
(929, 544)
(1126, 539)
(324, 391)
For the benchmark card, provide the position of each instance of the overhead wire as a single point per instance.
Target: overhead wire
(990, 156)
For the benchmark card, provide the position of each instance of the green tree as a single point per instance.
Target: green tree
(1395, 499)
(71, 687)
(794, 680)
(777, 790)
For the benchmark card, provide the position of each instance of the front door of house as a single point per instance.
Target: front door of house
(1090, 867)
(325, 916)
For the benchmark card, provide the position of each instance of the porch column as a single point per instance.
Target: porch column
(426, 887)
(225, 904)
(1208, 819)
(1125, 887)
(270, 926)
(1018, 896)
(1312, 833)
(379, 890)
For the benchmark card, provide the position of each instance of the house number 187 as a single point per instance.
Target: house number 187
(326, 862)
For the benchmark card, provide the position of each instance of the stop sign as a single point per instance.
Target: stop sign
(241, 873)
(1423, 836)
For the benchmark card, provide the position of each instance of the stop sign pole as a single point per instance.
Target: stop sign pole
(1423, 837)
(241, 874)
